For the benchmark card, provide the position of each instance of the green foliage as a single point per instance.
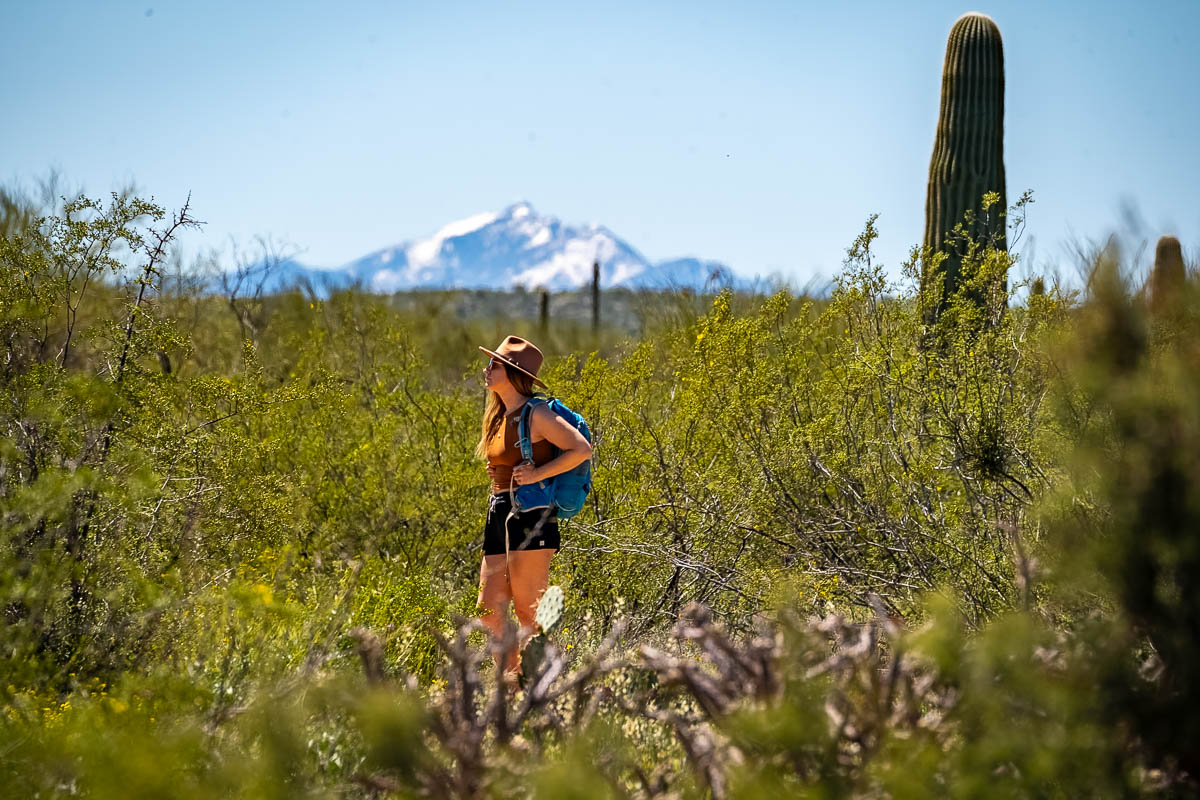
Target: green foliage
(1129, 514)
(828, 440)
(948, 557)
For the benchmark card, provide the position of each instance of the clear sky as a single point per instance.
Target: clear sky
(761, 134)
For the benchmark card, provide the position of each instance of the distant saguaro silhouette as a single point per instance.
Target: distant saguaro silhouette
(1168, 278)
(596, 296)
(544, 310)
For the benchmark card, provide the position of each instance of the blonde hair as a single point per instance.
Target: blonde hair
(494, 410)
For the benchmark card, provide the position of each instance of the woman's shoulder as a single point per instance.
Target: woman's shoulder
(541, 407)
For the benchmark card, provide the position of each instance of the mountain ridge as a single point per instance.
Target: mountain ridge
(510, 248)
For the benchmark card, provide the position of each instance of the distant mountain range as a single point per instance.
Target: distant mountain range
(514, 247)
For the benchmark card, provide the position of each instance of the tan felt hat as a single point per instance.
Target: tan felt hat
(520, 354)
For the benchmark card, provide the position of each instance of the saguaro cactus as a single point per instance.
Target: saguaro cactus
(544, 310)
(1168, 276)
(968, 152)
(596, 296)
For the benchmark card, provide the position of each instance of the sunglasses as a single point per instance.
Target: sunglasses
(493, 363)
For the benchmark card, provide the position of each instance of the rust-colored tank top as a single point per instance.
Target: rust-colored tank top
(503, 453)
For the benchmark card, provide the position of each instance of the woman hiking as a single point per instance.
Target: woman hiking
(517, 547)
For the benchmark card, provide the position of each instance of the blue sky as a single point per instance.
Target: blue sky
(761, 134)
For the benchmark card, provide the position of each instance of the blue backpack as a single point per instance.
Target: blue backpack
(566, 491)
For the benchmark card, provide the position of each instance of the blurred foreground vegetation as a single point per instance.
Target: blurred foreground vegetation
(832, 550)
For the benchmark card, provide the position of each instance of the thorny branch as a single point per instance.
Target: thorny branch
(868, 682)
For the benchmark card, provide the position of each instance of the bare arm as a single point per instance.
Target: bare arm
(545, 424)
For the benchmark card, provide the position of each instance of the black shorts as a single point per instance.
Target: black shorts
(531, 530)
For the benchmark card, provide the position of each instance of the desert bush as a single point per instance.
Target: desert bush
(832, 550)
(833, 443)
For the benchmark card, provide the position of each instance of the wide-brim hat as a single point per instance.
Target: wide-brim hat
(521, 355)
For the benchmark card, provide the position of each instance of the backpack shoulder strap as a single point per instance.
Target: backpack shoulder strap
(524, 438)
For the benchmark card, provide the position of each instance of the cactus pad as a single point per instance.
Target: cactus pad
(550, 609)
(548, 615)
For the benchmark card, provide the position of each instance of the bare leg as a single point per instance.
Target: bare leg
(528, 573)
(494, 596)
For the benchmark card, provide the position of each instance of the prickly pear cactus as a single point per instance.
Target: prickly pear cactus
(549, 610)
(968, 151)
(546, 618)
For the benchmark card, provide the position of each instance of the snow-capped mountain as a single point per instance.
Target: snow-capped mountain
(502, 250)
(518, 247)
